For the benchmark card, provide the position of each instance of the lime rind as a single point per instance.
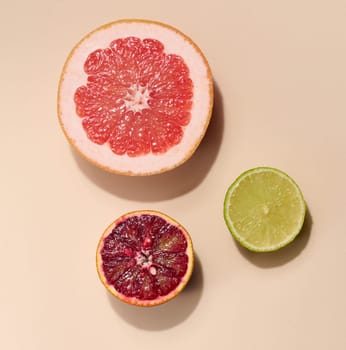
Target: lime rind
(289, 237)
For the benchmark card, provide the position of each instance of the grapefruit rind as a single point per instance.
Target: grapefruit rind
(73, 76)
(162, 299)
(239, 238)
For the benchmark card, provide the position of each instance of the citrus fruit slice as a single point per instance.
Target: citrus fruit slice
(264, 209)
(145, 258)
(135, 97)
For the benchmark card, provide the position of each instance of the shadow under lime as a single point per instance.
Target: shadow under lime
(284, 255)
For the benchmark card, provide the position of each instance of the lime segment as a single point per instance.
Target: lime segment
(264, 209)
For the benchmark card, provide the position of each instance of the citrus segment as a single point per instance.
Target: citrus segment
(145, 258)
(120, 87)
(135, 97)
(264, 209)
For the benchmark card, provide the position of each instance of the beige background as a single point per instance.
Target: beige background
(280, 77)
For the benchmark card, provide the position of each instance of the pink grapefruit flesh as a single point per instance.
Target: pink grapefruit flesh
(135, 97)
(145, 258)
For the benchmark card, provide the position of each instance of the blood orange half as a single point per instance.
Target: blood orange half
(145, 258)
(135, 97)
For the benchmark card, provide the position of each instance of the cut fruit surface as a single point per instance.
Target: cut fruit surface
(135, 97)
(145, 258)
(264, 209)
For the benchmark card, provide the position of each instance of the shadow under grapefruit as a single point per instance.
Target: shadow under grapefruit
(170, 184)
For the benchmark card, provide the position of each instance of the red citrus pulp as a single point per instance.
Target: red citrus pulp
(145, 258)
(135, 97)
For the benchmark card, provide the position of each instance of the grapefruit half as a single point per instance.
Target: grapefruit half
(135, 97)
(145, 258)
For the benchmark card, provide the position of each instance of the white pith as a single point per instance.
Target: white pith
(145, 260)
(137, 98)
(75, 77)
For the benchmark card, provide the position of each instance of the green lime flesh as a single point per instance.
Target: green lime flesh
(264, 209)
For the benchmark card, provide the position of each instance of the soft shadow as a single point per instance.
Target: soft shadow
(283, 255)
(172, 183)
(167, 315)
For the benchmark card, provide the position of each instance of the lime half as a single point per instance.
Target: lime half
(264, 209)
